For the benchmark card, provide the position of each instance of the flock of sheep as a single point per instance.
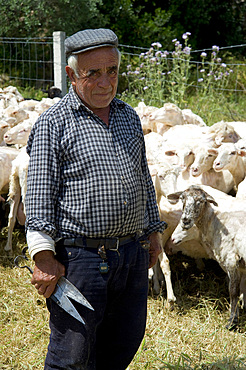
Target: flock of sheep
(199, 174)
(17, 117)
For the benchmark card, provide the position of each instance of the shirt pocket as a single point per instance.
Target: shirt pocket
(134, 149)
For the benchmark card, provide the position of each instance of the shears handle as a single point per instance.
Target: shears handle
(20, 258)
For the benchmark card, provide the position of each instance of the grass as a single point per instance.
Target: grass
(191, 336)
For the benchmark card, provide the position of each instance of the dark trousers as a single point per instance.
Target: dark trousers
(113, 332)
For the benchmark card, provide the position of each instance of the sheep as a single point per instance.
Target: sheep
(7, 155)
(17, 113)
(54, 92)
(239, 127)
(165, 117)
(155, 150)
(17, 193)
(222, 235)
(144, 112)
(222, 132)
(45, 104)
(192, 118)
(19, 134)
(184, 155)
(13, 90)
(28, 105)
(228, 157)
(203, 160)
(163, 176)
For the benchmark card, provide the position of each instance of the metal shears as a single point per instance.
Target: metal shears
(63, 290)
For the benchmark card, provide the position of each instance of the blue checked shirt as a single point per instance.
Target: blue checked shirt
(87, 178)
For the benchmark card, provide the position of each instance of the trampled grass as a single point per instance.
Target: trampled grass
(191, 336)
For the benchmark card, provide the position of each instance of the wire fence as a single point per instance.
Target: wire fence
(30, 62)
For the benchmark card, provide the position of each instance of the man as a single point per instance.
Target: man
(90, 201)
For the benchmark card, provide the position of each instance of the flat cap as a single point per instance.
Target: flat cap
(90, 39)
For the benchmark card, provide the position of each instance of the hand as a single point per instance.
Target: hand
(155, 248)
(46, 273)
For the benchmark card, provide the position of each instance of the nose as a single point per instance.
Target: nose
(104, 80)
(185, 222)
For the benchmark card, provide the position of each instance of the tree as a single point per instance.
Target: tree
(32, 18)
(211, 22)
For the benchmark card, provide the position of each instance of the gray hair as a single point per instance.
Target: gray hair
(73, 62)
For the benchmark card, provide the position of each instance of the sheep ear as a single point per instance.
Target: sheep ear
(174, 197)
(170, 153)
(210, 199)
(241, 152)
(212, 151)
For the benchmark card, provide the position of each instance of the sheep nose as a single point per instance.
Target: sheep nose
(185, 222)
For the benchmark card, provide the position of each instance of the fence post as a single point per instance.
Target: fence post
(60, 79)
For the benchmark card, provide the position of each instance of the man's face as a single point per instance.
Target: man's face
(98, 77)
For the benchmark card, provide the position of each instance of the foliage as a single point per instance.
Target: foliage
(210, 21)
(136, 22)
(158, 76)
(30, 18)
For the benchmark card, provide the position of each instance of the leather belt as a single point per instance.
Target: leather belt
(109, 243)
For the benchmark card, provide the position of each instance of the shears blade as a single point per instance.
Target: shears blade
(62, 300)
(72, 292)
(64, 289)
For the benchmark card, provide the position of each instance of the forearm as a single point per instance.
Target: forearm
(38, 241)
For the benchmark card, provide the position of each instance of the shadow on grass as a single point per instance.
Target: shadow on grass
(18, 242)
(224, 364)
(192, 287)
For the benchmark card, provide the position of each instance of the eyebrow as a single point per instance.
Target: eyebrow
(91, 71)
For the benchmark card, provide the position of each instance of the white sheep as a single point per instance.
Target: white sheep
(19, 134)
(222, 234)
(45, 104)
(7, 155)
(203, 160)
(228, 157)
(15, 112)
(222, 132)
(192, 118)
(155, 150)
(17, 192)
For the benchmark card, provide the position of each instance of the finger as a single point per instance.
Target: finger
(49, 290)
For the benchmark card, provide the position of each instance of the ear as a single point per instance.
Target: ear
(213, 151)
(173, 198)
(210, 199)
(170, 153)
(241, 152)
(71, 75)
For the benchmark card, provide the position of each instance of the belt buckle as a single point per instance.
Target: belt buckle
(117, 246)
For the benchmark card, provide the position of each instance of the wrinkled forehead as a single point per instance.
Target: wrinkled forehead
(98, 58)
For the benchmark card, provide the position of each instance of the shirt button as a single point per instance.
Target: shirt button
(89, 117)
(125, 202)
